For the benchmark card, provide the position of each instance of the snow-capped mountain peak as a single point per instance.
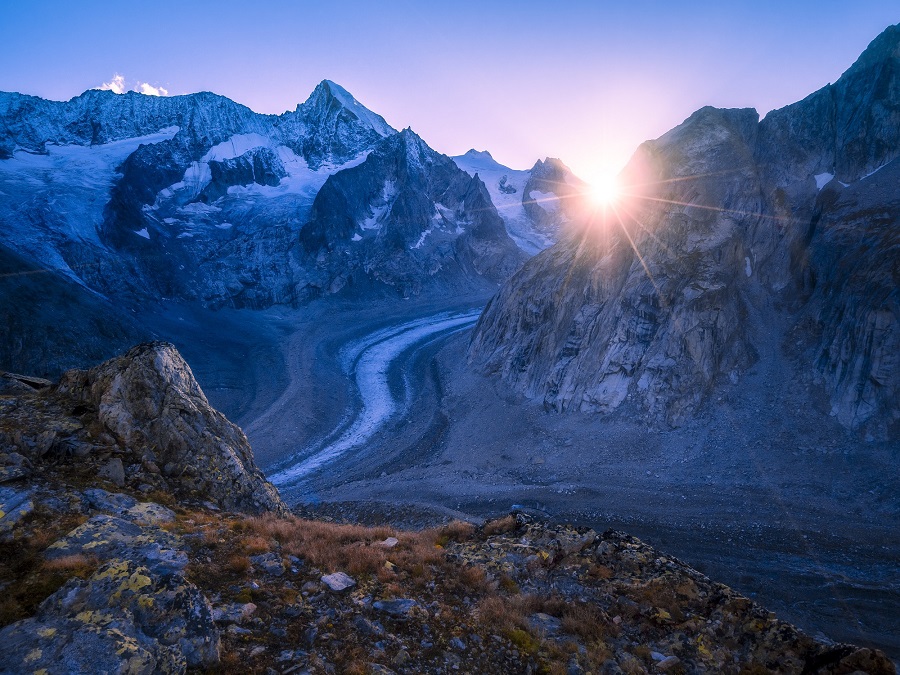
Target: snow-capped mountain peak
(327, 92)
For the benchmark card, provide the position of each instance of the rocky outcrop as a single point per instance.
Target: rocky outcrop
(259, 165)
(129, 607)
(149, 400)
(733, 234)
(645, 301)
(139, 420)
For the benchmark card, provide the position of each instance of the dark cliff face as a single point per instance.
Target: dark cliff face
(732, 230)
(406, 218)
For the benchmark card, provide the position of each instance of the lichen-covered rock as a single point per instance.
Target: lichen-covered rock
(108, 537)
(127, 507)
(126, 618)
(14, 506)
(148, 398)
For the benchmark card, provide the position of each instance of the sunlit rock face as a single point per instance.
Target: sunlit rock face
(732, 232)
(642, 296)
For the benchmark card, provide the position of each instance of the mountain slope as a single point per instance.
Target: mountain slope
(407, 217)
(736, 238)
(535, 204)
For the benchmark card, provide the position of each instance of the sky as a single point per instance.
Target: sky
(585, 81)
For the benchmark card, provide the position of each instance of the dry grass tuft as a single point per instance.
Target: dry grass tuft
(239, 564)
(78, 565)
(500, 526)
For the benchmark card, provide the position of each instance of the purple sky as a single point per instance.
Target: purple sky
(583, 81)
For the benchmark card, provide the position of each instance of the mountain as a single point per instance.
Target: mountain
(405, 216)
(741, 246)
(534, 204)
(128, 200)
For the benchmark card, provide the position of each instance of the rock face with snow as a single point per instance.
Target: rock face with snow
(406, 218)
(735, 234)
(536, 204)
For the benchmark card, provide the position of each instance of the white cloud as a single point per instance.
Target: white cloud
(150, 90)
(116, 85)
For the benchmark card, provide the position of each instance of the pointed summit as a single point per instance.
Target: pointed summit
(330, 96)
(332, 127)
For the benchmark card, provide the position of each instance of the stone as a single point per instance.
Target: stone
(366, 627)
(124, 618)
(15, 505)
(234, 613)
(398, 607)
(113, 471)
(338, 581)
(668, 663)
(390, 542)
(270, 563)
(108, 537)
(545, 624)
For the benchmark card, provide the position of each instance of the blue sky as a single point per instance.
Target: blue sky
(583, 81)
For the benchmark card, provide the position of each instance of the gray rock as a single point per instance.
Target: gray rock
(270, 563)
(149, 397)
(114, 471)
(14, 506)
(338, 581)
(234, 613)
(126, 618)
(397, 607)
(108, 537)
(545, 624)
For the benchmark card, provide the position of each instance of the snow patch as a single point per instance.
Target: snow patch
(356, 237)
(364, 114)
(223, 226)
(236, 146)
(143, 233)
(748, 270)
(421, 241)
(823, 179)
(380, 209)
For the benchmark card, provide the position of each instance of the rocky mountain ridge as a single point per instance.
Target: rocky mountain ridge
(739, 243)
(127, 201)
(111, 563)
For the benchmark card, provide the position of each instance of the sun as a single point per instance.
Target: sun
(605, 191)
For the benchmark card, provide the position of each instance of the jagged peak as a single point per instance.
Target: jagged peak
(479, 154)
(328, 93)
(884, 47)
(550, 167)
